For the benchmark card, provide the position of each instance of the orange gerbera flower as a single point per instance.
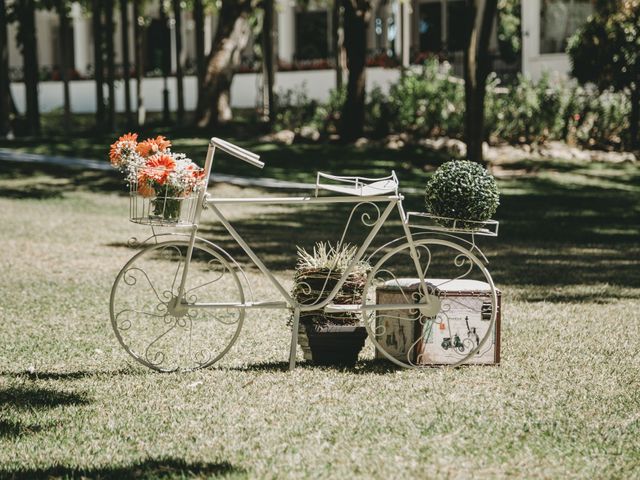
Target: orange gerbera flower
(196, 172)
(151, 146)
(157, 169)
(124, 145)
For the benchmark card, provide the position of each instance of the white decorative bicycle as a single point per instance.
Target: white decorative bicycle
(180, 302)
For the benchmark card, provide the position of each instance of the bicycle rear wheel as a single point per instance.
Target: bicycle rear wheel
(155, 327)
(449, 319)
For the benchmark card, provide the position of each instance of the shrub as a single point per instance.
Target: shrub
(605, 51)
(463, 190)
(526, 112)
(427, 102)
(293, 108)
(556, 109)
(509, 29)
(326, 118)
(378, 113)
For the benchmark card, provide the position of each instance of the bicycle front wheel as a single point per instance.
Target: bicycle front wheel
(166, 333)
(433, 304)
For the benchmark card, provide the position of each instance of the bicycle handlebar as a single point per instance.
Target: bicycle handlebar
(237, 152)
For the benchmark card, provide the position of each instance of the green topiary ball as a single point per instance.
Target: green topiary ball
(463, 190)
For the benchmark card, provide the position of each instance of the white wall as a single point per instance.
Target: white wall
(245, 90)
(534, 64)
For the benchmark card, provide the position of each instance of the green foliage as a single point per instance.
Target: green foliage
(556, 109)
(328, 257)
(326, 118)
(378, 112)
(293, 108)
(509, 31)
(606, 50)
(463, 190)
(427, 102)
(604, 120)
(527, 111)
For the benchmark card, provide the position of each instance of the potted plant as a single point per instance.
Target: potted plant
(334, 338)
(462, 190)
(161, 180)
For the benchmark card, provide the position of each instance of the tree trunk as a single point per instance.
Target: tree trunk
(96, 7)
(126, 64)
(111, 67)
(139, 54)
(476, 69)
(231, 38)
(268, 62)
(634, 118)
(179, 76)
(357, 14)
(338, 42)
(30, 62)
(165, 51)
(5, 85)
(64, 62)
(198, 15)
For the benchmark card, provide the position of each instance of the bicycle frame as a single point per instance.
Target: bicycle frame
(206, 201)
(379, 193)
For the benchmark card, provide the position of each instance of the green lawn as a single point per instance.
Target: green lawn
(564, 402)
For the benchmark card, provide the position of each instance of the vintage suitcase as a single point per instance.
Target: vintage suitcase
(447, 337)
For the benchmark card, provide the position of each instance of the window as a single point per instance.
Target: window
(559, 19)
(436, 26)
(430, 27)
(56, 47)
(458, 26)
(312, 40)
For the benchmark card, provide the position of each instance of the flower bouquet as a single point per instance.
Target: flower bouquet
(162, 179)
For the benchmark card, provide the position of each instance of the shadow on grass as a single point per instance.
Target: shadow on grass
(42, 181)
(166, 468)
(76, 375)
(380, 367)
(297, 162)
(9, 429)
(39, 398)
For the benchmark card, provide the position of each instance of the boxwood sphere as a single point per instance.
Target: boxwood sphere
(464, 190)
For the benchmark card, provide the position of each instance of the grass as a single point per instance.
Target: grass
(563, 404)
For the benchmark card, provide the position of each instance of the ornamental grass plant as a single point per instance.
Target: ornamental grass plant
(316, 275)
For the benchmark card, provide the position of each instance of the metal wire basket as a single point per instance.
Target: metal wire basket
(162, 209)
(435, 223)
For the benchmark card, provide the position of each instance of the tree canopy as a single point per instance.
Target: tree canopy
(606, 50)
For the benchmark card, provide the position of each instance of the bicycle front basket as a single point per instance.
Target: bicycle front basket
(166, 207)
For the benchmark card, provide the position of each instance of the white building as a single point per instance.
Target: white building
(400, 33)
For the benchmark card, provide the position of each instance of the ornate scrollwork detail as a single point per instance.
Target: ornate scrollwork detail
(366, 218)
(166, 329)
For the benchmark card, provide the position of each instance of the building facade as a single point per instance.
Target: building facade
(401, 33)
